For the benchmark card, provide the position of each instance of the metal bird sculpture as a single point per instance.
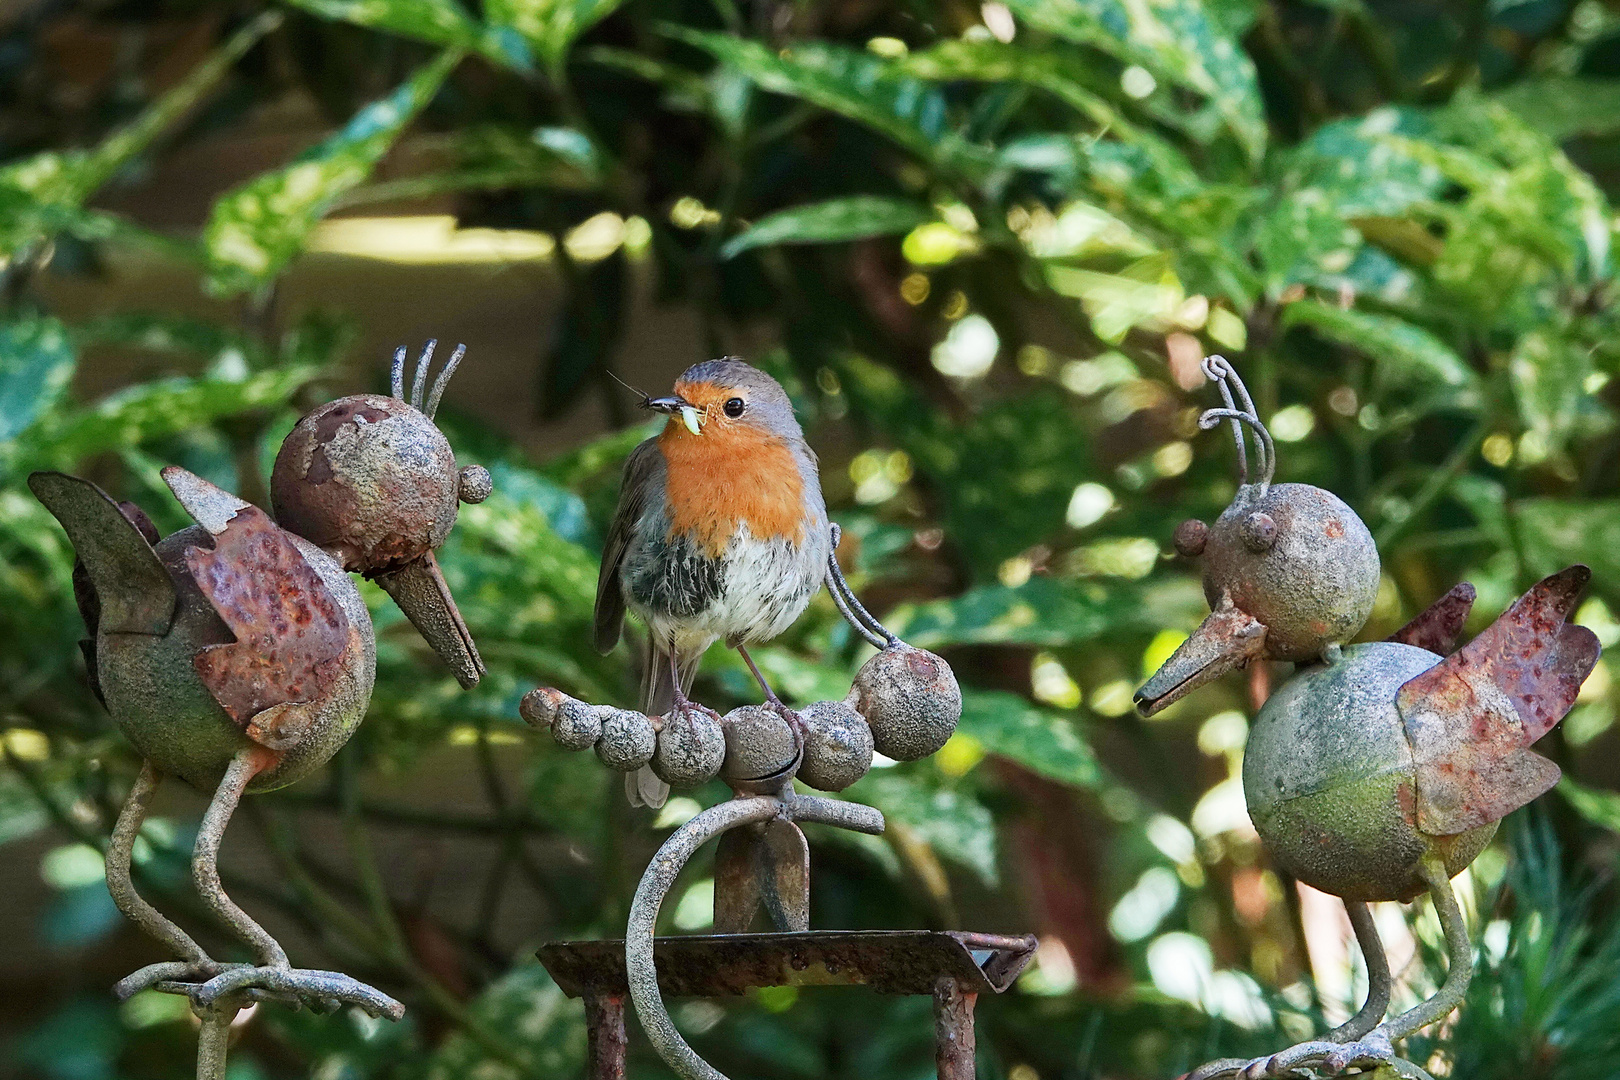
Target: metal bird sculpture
(1378, 771)
(237, 654)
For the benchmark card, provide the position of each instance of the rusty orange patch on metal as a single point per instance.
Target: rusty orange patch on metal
(734, 473)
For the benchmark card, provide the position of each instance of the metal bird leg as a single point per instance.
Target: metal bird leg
(194, 963)
(1359, 1044)
(1378, 980)
(205, 858)
(219, 991)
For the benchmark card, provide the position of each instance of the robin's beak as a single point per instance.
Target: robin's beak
(423, 595)
(675, 405)
(1229, 638)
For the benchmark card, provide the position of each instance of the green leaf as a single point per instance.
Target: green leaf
(1042, 611)
(1404, 353)
(1549, 374)
(1363, 167)
(42, 194)
(21, 814)
(957, 826)
(550, 26)
(1601, 808)
(1147, 294)
(1042, 741)
(835, 220)
(526, 1013)
(1563, 106)
(1056, 74)
(37, 360)
(1557, 532)
(854, 84)
(1175, 39)
(438, 22)
(155, 409)
(257, 229)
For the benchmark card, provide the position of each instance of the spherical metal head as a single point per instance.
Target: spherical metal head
(1296, 559)
(370, 479)
(1289, 569)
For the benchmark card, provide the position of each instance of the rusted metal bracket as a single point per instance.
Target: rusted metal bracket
(953, 968)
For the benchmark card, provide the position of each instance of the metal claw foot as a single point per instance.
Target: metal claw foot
(320, 991)
(1318, 1058)
(170, 971)
(213, 987)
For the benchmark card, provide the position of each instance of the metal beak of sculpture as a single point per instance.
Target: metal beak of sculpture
(1229, 638)
(423, 595)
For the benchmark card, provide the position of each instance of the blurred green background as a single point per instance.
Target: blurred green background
(985, 247)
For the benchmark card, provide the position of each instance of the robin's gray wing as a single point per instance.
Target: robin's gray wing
(1436, 627)
(1472, 717)
(642, 468)
(292, 636)
(132, 591)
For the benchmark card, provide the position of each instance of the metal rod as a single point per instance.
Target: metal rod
(443, 381)
(120, 852)
(205, 859)
(661, 873)
(605, 1037)
(419, 380)
(396, 374)
(1459, 950)
(955, 1043)
(864, 622)
(1378, 981)
(213, 1039)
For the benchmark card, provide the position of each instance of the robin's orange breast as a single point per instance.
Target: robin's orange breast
(731, 475)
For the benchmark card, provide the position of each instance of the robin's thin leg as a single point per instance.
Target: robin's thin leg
(194, 963)
(795, 721)
(770, 695)
(679, 691)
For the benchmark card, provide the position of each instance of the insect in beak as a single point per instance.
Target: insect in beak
(691, 415)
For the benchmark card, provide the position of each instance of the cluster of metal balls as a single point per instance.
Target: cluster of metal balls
(904, 704)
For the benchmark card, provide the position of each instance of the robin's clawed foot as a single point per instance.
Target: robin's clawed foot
(1318, 1058)
(319, 991)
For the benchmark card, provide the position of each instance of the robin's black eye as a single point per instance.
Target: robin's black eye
(734, 407)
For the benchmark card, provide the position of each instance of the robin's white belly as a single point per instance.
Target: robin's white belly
(764, 586)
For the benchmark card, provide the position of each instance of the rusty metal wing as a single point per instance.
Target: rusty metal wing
(292, 635)
(1472, 717)
(1436, 627)
(132, 591)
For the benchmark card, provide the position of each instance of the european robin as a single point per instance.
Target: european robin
(720, 534)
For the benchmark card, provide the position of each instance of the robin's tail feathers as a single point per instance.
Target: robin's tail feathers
(658, 677)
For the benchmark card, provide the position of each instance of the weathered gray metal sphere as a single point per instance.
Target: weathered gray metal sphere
(1297, 559)
(837, 745)
(910, 700)
(1329, 778)
(759, 743)
(691, 747)
(577, 725)
(627, 741)
(369, 478)
(152, 688)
